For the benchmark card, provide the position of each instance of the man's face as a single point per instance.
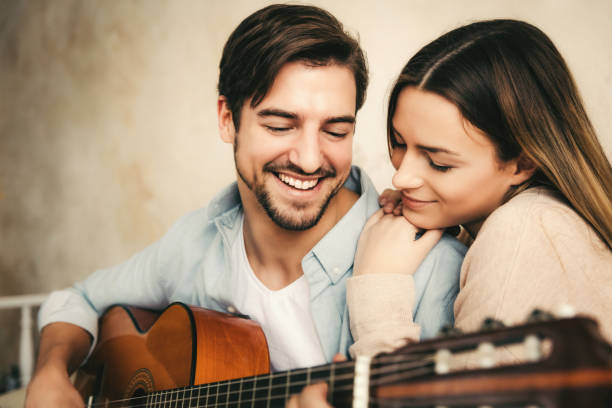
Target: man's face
(293, 151)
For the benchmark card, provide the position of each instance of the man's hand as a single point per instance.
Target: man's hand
(313, 396)
(63, 346)
(51, 387)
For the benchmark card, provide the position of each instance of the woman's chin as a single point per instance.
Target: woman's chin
(418, 221)
(424, 222)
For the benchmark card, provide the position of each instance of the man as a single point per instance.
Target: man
(277, 245)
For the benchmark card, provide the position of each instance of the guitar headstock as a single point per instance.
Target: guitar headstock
(545, 362)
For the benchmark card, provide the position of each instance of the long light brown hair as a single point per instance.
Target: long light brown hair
(508, 79)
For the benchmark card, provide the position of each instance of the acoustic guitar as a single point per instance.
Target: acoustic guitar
(192, 357)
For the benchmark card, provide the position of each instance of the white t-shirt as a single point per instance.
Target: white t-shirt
(284, 315)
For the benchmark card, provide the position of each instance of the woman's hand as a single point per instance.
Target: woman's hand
(388, 244)
(391, 201)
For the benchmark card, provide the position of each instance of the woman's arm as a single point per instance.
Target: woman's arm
(380, 295)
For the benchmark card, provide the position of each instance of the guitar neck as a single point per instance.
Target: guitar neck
(273, 390)
(269, 390)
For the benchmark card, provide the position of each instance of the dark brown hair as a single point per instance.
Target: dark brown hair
(281, 33)
(508, 79)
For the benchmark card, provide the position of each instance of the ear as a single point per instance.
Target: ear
(227, 131)
(523, 170)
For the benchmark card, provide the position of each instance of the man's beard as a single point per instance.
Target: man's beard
(297, 222)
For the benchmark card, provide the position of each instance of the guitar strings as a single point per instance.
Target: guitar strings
(348, 376)
(208, 399)
(401, 370)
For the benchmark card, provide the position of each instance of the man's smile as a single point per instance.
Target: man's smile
(300, 184)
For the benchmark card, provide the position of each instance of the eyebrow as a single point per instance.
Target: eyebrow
(264, 113)
(341, 119)
(431, 149)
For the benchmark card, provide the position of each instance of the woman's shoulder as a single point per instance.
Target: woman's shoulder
(530, 206)
(540, 212)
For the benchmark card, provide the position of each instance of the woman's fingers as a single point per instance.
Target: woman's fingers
(389, 200)
(398, 209)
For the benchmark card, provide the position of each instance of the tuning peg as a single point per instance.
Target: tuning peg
(565, 311)
(533, 348)
(448, 330)
(486, 354)
(491, 324)
(442, 361)
(539, 315)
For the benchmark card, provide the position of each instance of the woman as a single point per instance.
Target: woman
(487, 131)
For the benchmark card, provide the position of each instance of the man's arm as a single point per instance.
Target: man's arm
(63, 347)
(69, 317)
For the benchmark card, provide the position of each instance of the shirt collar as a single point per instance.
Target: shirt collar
(336, 250)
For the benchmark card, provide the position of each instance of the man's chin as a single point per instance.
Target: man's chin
(293, 214)
(297, 221)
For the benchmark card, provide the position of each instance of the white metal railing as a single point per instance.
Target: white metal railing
(26, 342)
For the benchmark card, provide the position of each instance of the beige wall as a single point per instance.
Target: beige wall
(107, 114)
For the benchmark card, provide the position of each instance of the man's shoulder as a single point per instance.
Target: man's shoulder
(450, 244)
(336, 250)
(224, 205)
(361, 184)
(226, 200)
(445, 257)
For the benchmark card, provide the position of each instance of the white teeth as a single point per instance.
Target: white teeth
(299, 184)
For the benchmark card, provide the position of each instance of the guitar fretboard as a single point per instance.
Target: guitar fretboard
(269, 390)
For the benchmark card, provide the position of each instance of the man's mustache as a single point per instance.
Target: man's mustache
(323, 171)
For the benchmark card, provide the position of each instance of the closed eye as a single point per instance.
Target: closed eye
(336, 134)
(439, 167)
(275, 129)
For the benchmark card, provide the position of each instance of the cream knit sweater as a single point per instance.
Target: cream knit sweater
(532, 252)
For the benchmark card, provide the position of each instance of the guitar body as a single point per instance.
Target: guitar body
(141, 351)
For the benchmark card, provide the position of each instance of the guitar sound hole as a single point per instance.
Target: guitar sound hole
(139, 386)
(139, 398)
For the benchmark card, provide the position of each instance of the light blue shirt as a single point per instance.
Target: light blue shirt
(189, 265)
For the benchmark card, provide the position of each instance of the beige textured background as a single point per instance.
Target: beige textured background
(107, 115)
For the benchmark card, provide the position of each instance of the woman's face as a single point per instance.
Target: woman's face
(447, 169)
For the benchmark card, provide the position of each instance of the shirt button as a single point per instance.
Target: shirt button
(336, 270)
(231, 309)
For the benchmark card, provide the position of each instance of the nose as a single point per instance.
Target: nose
(306, 153)
(407, 175)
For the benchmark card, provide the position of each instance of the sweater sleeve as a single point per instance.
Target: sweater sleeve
(381, 323)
